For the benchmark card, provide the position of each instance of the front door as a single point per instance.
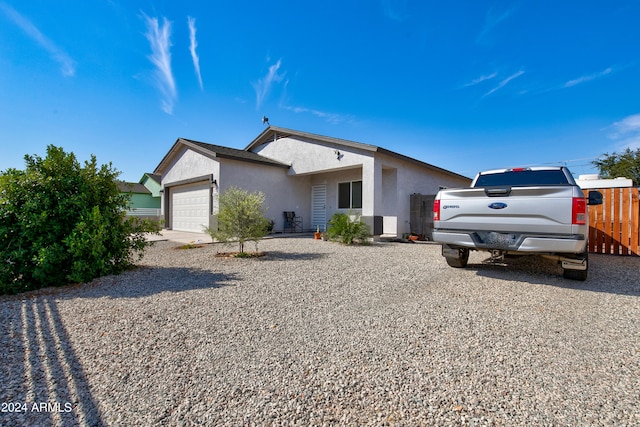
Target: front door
(319, 207)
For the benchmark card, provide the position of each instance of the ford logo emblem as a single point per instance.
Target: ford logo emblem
(498, 205)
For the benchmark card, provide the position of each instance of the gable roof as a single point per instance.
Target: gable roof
(132, 187)
(273, 133)
(214, 151)
(154, 177)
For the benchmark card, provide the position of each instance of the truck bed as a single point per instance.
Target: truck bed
(544, 210)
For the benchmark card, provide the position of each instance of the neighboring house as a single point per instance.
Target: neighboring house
(152, 183)
(315, 176)
(145, 196)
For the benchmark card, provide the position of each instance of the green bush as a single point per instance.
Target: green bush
(240, 217)
(344, 229)
(62, 223)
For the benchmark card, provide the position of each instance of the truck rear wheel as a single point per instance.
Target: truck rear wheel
(461, 260)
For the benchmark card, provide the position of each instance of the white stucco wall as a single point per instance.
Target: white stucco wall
(389, 191)
(312, 157)
(329, 164)
(282, 191)
(411, 178)
(387, 181)
(189, 164)
(331, 180)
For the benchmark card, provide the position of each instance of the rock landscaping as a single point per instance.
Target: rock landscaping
(318, 333)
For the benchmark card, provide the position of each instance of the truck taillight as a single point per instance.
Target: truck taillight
(579, 211)
(436, 210)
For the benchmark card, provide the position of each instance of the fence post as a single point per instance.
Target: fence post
(635, 222)
(626, 221)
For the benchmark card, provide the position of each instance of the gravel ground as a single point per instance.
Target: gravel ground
(316, 333)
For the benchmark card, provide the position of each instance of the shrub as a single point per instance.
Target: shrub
(347, 230)
(61, 222)
(240, 217)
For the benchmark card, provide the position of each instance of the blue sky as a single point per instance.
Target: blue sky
(464, 85)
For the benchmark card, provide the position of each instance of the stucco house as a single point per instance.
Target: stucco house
(152, 183)
(312, 175)
(144, 196)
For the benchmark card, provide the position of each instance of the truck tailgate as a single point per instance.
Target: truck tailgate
(523, 209)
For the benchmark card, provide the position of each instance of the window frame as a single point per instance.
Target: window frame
(351, 194)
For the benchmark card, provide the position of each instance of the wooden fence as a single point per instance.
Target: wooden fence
(614, 225)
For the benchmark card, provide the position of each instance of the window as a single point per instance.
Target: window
(350, 195)
(524, 178)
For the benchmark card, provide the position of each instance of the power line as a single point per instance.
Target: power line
(564, 162)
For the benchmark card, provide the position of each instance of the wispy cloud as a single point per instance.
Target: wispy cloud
(504, 82)
(491, 20)
(481, 79)
(626, 132)
(263, 86)
(159, 37)
(395, 10)
(192, 48)
(588, 78)
(333, 118)
(67, 64)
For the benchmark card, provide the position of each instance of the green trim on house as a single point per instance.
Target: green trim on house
(152, 182)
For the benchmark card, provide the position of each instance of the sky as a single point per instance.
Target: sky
(464, 85)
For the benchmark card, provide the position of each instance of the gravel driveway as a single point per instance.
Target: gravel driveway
(316, 333)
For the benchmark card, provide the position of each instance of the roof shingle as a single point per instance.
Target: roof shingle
(132, 187)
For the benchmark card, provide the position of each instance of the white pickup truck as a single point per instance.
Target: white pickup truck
(519, 211)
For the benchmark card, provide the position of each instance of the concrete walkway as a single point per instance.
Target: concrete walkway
(193, 237)
(180, 236)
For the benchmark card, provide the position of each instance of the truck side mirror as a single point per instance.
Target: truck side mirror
(595, 198)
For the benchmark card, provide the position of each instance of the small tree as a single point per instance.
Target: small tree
(62, 223)
(343, 228)
(625, 164)
(240, 217)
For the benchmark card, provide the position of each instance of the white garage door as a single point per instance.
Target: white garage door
(190, 207)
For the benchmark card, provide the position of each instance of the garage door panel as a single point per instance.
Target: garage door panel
(190, 207)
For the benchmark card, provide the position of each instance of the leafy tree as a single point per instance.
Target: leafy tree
(625, 164)
(61, 222)
(240, 217)
(347, 230)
